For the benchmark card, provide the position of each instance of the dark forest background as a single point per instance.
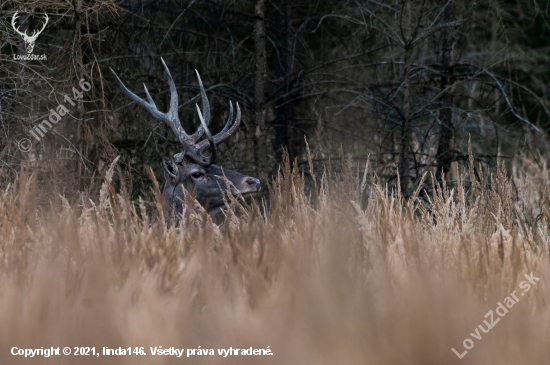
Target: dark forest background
(403, 84)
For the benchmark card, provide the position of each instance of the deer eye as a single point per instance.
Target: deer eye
(196, 175)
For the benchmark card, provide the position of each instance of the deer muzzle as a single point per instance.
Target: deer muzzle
(250, 185)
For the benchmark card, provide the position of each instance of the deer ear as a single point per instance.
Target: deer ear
(170, 167)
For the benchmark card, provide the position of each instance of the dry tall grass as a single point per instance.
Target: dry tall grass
(349, 274)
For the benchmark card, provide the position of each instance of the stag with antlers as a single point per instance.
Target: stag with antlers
(29, 39)
(191, 170)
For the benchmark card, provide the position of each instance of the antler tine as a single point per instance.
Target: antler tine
(13, 24)
(151, 108)
(206, 109)
(36, 32)
(171, 118)
(225, 133)
(205, 103)
(227, 125)
(149, 98)
(229, 120)
(44, 26)
(209, 160)
(173, 112)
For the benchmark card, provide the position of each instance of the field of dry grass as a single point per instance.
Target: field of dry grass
(347, 273)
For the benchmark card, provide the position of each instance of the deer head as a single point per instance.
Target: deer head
(29, 40)
(191, 169)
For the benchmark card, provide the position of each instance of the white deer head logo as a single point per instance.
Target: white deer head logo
(29, 40)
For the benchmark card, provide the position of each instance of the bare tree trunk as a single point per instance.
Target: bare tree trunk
(404, 152)
(284, 129)
(289, 59)
(80, 109)
(260, 155)
(444, 157)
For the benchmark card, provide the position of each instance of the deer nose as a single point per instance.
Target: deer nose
(251, 185)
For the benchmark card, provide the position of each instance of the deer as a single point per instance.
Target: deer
(191, 170)
(28, 39)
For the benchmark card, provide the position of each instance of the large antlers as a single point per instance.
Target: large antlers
(35, 33)
(191, 148)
